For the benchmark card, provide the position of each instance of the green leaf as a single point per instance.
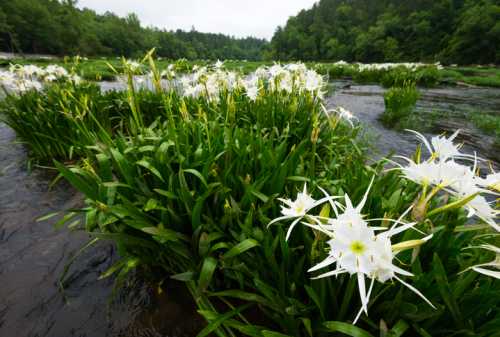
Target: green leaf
(220, 320)
(77, 181)
(242, 295)
(198, 175)
(260, 195)
(268, 333)
(240, 248)
(164, 233)
(47, 216)
(298, 178)
(184, 277)
(167, 194)
(144, 163)
(445, 290)
(453, 205)
(398, 329)
(315, 298)
(346, 328)
(307, 325)
(207, 271)
(65, 219)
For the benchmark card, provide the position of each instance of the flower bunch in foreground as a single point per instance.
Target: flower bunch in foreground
(355, 247)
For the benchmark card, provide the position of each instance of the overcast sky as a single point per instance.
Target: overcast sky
(239, 18)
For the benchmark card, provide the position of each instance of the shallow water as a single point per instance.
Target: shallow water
(33, 256)
(451, 104)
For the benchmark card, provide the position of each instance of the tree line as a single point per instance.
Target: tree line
(450, 31)
(60, 28)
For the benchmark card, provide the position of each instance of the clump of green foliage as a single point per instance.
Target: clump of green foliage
(189, 193)
(51, 123)
(476, 76)
(400, 104)
(488, 123)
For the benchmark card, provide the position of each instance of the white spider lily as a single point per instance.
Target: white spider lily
(345, 114)
(297, 209)
(486, 268)
(491, 181)
(441, 147)
(481, 208)
(441, 171)
(342, 113)
(357, 250)
(252, 93)
(218, 64)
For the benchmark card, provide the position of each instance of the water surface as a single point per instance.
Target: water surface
(33, 256)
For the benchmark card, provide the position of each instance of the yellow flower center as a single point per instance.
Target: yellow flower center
(299, 208)
(357, 247)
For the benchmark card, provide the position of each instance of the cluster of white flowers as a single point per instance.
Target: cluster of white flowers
(208, 82)
(211, 81)
(132, 65)
(387, 66)
(22, 78)
(442, 171)
(356, 247)
(293, 76)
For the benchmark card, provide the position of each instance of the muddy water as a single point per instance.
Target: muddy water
(33, 256)
(449, 105)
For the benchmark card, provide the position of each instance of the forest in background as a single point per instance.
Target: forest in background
(450, 31)
(60, 28)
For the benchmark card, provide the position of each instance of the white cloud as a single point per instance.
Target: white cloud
(239, 18)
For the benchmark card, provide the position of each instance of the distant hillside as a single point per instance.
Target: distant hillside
(454, 31)
(60, 28)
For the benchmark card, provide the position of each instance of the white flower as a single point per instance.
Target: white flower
(262, 73)
(357, 250)
(76, 79)
(56, 71)
(481, 208)
(27, 71)
(491, 181)
(485, 268)
(133, 65)
(442, 171)
(442, 147)
(313, 81)
(252, 93)
(449, 174)
(297, 209)
(345, 114)
(426, 173)
(218, 64)
(276, 70)
(50, 78)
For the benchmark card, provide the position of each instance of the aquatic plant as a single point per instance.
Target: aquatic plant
(399, 104)
(387, 74)
(187, 179)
